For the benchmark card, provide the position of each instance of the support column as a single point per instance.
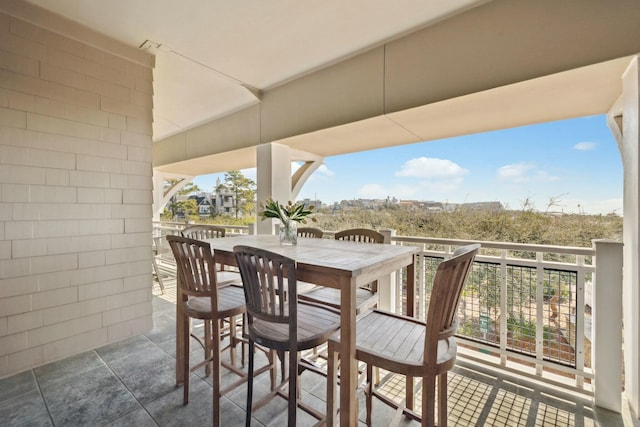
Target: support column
(157, 195)
(273, 175)
(607, 325)
(628, 139)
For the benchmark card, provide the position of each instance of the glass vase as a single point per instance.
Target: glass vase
(288, 232)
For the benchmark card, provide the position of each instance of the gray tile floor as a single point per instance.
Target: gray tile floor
(131, 383)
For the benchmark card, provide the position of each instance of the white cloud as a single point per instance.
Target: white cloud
(543, 176)
(324, 170)
(585, 146)
(515, 170)
(434, 175)
(524, 172)
(427, 167)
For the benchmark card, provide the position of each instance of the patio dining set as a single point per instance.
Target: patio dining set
(258, 296)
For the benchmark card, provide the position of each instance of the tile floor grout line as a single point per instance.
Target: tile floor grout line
(129, 390)
(46, 406)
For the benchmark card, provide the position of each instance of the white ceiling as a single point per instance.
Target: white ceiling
(416, 70)
(212, 55)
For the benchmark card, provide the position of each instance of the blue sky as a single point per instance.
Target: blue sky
(575, 162)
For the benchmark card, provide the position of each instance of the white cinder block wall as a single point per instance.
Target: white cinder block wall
(75, 189)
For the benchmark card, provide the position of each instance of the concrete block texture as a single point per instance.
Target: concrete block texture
(75, 193)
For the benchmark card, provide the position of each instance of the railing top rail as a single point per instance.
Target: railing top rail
(573, 250)
(497, 245)
(174, 225)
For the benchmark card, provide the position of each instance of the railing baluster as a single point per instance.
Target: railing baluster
(580, 304)
(422, 289)
(503, 308)
(539, 310)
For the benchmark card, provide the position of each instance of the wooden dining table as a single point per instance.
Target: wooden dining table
(343, 265)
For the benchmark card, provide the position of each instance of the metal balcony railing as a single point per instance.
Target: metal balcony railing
(530, 304)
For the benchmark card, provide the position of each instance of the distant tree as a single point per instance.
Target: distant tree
(515, 226)
(554, 202)
(527, 204)
(188, 207)
(173, 205)
(243, 189)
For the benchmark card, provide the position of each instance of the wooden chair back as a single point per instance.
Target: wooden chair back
(195, 267)
(363, 235)
(269, 282)
(442, 316)
(312, 232)
(203, 232)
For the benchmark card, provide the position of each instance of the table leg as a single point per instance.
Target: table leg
(348, 362)
(179, 335)
(411, 308)
(411, 288)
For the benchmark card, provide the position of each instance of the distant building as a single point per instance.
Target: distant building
(220, 202)
(223, 199)
(204, 203)
(317, 204)
(428, 206)
(414, 205)
(368, 204)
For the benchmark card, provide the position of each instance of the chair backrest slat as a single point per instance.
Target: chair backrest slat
(203, 232)
(363, 235)
(269, 282)
(195, 266)
(310, 232)
(442, 317)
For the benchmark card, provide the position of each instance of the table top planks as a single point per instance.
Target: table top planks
(344, 257)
